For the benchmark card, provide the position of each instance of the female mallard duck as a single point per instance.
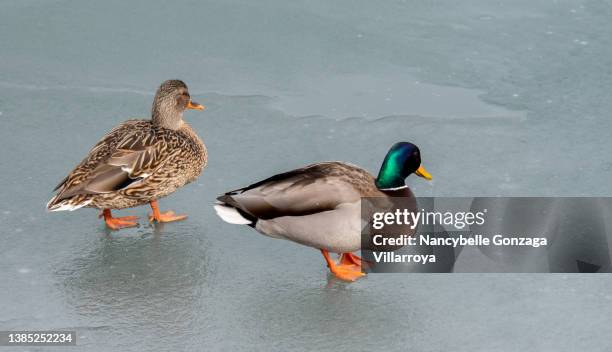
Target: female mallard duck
(319, 205)
(138, 162)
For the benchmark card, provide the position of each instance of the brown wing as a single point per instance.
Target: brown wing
(100, 152)
(121, 159)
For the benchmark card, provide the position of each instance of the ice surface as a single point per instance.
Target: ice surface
(512, 99)
(375, 95)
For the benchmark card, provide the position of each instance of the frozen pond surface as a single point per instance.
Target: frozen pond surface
(503, 99)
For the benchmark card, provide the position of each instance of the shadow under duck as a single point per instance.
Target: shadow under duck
(138, 162)
(320, 205)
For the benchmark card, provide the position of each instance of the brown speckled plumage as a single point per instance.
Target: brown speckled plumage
(139, 160)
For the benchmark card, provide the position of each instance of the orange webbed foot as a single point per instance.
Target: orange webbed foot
(344, 271)
(118, 223)
(347, 272)
(167, 216)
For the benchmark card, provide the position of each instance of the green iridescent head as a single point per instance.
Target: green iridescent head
(403, 159)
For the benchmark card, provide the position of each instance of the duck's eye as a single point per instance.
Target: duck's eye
(182, 99)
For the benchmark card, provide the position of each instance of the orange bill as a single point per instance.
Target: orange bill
(195, 106)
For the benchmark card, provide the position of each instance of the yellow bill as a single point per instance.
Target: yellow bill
(423, 173)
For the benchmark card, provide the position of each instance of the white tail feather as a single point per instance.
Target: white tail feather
(65, 205)
(230, 214)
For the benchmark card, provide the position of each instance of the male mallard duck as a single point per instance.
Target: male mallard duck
(319, 205)
(138, 162)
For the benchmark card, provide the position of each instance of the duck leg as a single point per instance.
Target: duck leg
(117, 223)
(166, 216)
(348, 272)
(352, 259)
